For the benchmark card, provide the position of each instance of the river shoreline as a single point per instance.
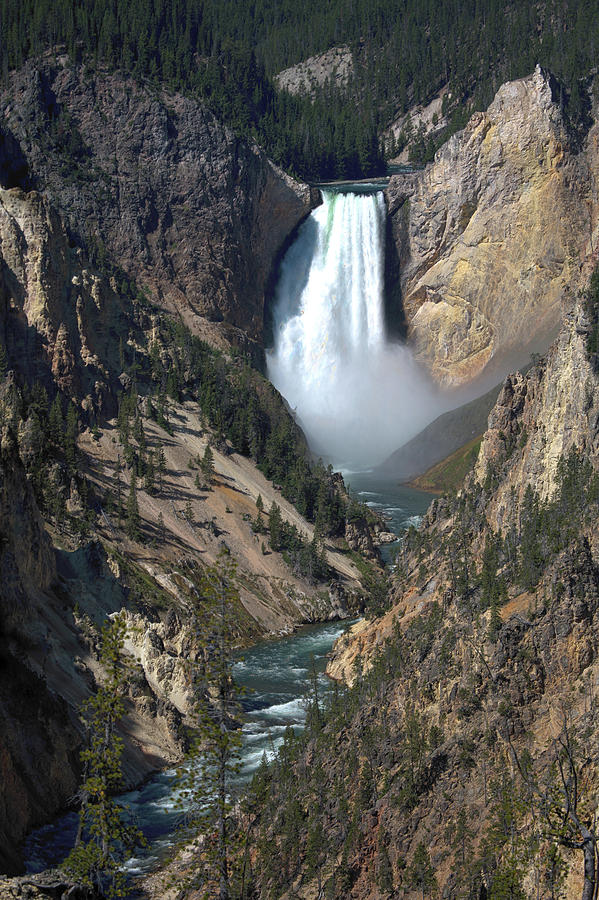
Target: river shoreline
(276, 668)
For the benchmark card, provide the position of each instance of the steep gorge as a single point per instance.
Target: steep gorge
(97, 271)
(68, 248)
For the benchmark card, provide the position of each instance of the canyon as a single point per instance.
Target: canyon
(127, 212)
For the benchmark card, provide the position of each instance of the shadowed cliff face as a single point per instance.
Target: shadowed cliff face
(38, 743)
(60, 320)
(159, 185)
(493, 234)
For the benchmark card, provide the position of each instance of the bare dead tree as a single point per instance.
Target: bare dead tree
(558, 805)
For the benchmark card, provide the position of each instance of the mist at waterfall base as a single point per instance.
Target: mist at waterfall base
(357, 395)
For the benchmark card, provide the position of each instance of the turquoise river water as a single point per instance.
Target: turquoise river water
(275, 675)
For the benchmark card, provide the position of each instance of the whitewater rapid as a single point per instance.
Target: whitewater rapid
(357, 395)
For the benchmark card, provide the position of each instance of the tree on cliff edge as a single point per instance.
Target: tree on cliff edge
(104, 839)
(206, 778)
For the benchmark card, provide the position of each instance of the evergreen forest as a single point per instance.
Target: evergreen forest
(403, 51)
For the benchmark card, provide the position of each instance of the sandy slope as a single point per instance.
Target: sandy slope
(270, 592)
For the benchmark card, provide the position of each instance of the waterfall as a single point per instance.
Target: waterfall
(357, 395)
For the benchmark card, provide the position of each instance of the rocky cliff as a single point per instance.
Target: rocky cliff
(37, 741)
(60, 320)
(495, 232)
(538, 421)
(334, 66)
(52, 604)
(156, 184)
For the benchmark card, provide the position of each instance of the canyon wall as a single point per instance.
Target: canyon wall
(67, 325)
(496, 664)
(495, 234)
(155, 183)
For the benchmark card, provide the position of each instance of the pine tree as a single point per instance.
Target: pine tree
(132, 523)
(421, 875)
(3, 361)
(384, 872)
(70, 438)
(495, 622)
(161, 468)
(150, 474)
(104, 840)
(123, 420)
(172, 385)
(316, 849)
(207, 782)
(162, 414)
(258, 523)
(188, 512)
(118, 488)
(275, 527)
(207, 464)
(138, 432)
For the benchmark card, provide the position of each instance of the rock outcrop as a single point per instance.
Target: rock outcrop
(539, 418)
(59, 318)
(422, 120)
(494, 234)
(155, 183)
(49, 885)
(307, 77)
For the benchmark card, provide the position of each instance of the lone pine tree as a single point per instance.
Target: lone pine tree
(132, 525)
(206, 779)
(104, 838)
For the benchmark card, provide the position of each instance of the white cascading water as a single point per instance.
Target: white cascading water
(357, 396)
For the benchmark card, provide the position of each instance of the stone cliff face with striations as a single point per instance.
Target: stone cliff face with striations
(58, 317)
(494, 233)
(154, 181)
(545, 414)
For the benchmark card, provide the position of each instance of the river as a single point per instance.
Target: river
(399, 504)
(275, 676)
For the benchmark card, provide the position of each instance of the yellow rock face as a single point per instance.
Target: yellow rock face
(47, 290)
(493, 233)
